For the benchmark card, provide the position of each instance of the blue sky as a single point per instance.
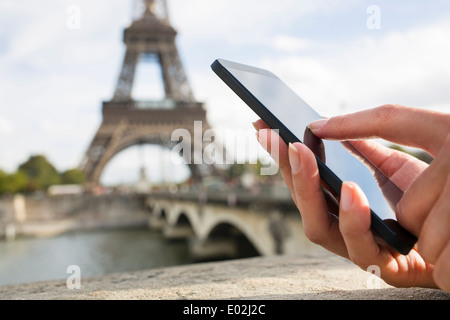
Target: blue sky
(53, 78)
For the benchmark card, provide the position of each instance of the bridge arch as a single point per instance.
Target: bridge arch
(187, 209)
(159, 212)
(160, 209)
(208, 221)
(251, 225)
(183, 221)
(227, 232)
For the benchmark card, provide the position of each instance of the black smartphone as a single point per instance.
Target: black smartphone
(282, 109)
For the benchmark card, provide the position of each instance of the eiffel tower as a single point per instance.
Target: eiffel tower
(128, 122)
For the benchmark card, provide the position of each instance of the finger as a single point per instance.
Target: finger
(286, 170)
(434, 235)
(401, 168)
(354, 224)
(441, 275)
(278, 150)
(398, 124)
(398, 166)
(275, 146)
(420, 197)
(319, 226)
(260, 124)
(364, 251)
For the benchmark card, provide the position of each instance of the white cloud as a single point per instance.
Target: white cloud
(6, 127)
(53, 79)
(408, 67)
(288, 43)
(233, 21)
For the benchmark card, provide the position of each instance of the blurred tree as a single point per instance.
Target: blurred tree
(40, 173)
(419, 154)
(12, 183)
(238, 171)
(258, 168)
(235, 170)
(4, 185)
(72, 176)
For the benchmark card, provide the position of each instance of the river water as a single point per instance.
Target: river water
(94, 252)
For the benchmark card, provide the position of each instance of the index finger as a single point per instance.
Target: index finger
(413, 127)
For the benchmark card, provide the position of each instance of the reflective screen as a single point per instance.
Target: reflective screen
(341, 157)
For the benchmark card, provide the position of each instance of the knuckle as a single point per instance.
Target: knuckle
(359, 261)
(440, 275)
(425, 248)
(400, 210)
(314, 236)
(337, 123)
(349, 233)
(442, 152)
(283, 164)
(446, 144)
(386, 112)
(446, 118)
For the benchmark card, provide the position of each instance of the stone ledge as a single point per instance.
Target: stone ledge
(267, 278)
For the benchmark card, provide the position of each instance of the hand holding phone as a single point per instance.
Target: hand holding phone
(282, 109)
(265, 94)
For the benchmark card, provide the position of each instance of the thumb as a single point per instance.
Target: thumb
(354, 224)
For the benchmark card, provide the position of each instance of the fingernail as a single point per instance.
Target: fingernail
(261, 138)
(254, 126)
(346, 196)
(317, 125)
(294, 159)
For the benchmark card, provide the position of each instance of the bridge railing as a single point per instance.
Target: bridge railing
(232, 197)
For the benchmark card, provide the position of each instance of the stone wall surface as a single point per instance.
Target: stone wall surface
(263, 278)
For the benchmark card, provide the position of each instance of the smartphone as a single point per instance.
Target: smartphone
(282, 109)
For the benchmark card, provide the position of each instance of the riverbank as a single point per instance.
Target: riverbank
(43, 216)
(266, 278)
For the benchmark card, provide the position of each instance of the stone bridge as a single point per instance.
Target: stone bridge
(235, 224)
(217, 224)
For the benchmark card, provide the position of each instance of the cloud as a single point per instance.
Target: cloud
(407, 67)
(288, 43)
(53, 78)
(233, 20)
(6, 127)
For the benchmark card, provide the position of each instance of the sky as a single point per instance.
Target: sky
(339, 56)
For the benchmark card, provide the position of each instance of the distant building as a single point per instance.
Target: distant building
(67, 189)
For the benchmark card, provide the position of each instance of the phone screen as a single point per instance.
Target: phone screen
(342, 157)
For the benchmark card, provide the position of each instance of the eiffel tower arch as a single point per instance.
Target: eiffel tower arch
(127, 122)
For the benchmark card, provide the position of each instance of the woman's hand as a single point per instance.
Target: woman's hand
(424, 210)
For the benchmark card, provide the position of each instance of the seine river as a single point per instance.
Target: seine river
(94, 252)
